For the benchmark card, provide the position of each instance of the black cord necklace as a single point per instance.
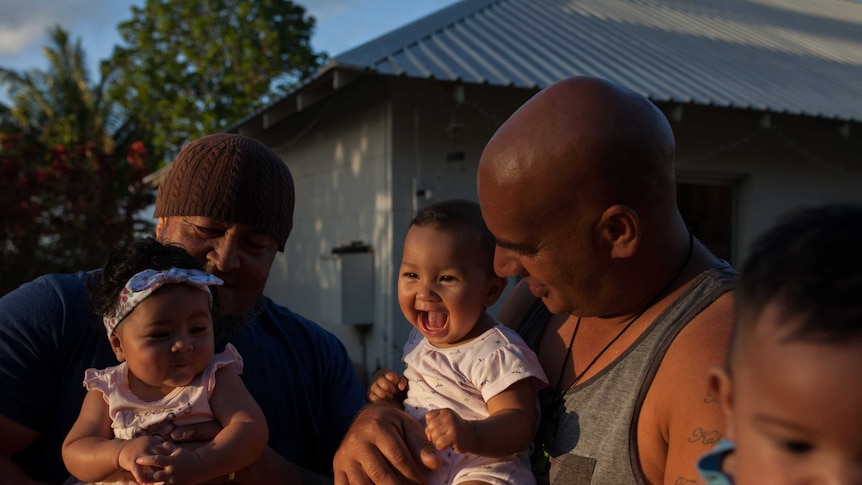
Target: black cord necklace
(551, 398)
(578, 376)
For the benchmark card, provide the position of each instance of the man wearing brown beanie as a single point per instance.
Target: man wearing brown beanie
(229, 201)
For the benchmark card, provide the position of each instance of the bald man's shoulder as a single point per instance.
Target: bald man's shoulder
(681, 418)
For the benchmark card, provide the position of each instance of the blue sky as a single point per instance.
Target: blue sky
(341, 24)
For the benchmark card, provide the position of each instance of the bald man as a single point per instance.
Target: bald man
(626, 309)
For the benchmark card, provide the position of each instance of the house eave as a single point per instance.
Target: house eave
(325, 82)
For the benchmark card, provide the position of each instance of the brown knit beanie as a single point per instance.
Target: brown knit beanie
(232, 178)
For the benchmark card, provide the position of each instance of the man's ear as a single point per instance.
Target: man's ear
(496, 285)
(160, 226)
(721, 386)
(619, 227)
(117, 347)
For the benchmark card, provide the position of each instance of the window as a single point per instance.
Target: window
(709, 209)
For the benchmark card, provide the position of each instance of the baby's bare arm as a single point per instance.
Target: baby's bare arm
(508, 429)
(90, 451)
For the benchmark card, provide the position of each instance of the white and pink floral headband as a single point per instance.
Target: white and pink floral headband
(143, 284)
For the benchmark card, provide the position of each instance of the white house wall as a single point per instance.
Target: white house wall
(779, 163)
(340, 165)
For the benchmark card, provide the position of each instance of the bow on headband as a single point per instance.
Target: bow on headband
(143, 284)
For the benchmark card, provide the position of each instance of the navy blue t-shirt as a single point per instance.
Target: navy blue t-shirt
(300, 374)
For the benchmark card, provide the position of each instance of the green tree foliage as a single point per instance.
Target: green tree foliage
(70, 170)
(193, 67)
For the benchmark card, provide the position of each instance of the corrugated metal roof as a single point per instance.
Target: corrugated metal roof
(788, 56)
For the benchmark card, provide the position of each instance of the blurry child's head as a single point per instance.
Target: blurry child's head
(792, 392)
(447, 279)
(156, 306)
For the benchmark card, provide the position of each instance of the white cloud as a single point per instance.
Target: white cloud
(24, 29)
(21, 26)
(24, 24)
(14, 39)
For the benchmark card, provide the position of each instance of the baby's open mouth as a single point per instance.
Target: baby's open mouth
(433, 322)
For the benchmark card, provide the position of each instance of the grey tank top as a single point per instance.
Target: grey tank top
(596, 442)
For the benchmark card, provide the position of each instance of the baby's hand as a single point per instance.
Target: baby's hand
(387, 385)
(446, 429)
(136, 448)
(180, 467)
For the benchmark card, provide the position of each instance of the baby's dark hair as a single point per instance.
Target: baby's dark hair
(810, 264)
(122, 264)
(459, 215)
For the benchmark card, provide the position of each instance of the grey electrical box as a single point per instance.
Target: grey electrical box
(357, 283)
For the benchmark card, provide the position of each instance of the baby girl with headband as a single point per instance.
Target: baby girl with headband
(156, 304)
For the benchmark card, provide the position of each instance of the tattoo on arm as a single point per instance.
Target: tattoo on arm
(683, 481)
(706, 437)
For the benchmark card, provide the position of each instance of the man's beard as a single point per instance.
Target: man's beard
(228, 326)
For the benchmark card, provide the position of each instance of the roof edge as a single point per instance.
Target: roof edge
(367, 53)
